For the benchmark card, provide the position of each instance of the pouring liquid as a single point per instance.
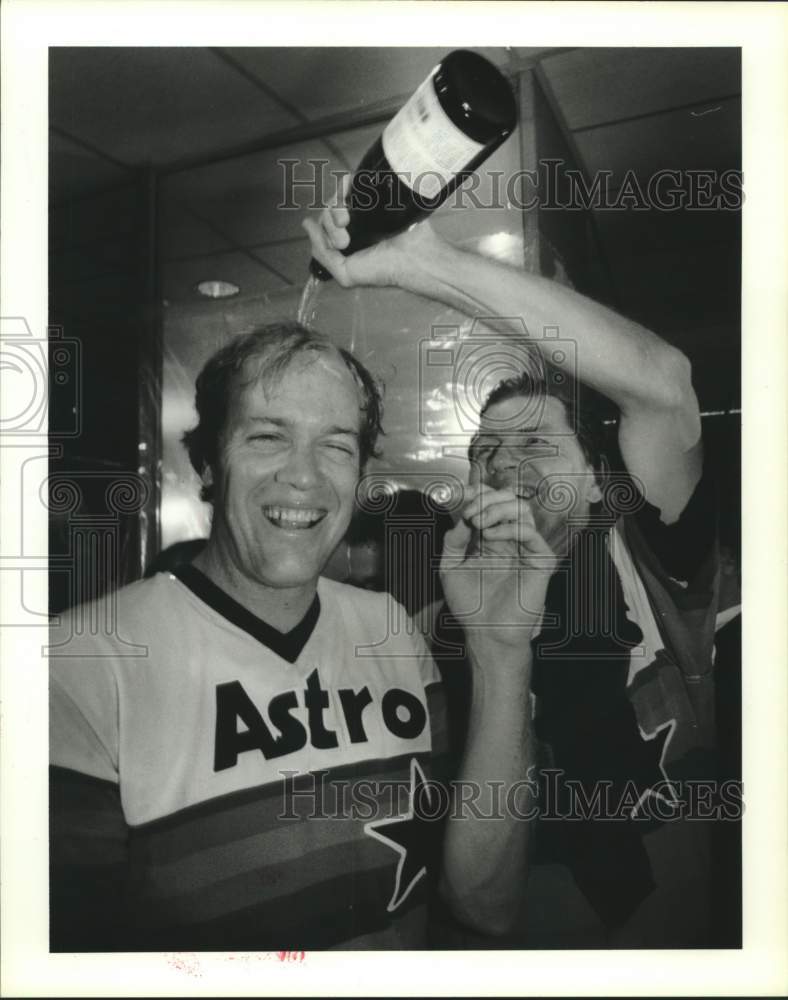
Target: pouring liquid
(307, 306)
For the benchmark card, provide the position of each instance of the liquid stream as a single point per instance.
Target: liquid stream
(307, 307)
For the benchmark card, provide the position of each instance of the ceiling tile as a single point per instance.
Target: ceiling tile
(154, 105)
(74, 171)
(291, 259)
(183, 231)
(601, 85)
(677, 140)
(326, 81)
(262, 197)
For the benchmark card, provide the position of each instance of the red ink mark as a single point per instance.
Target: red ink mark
(185, 962)
(291, 956)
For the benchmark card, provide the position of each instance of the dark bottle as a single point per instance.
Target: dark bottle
(461, 114)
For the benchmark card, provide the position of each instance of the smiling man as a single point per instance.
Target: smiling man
(622, 678)
(526, 444)
(244, 755)
(282, 472)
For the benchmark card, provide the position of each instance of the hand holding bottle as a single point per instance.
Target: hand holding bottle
(453, 122)
(386, 263)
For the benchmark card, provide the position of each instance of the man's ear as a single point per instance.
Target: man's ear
(596, 491)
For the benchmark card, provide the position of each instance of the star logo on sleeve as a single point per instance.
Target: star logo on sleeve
(659, 740)
(407, 836)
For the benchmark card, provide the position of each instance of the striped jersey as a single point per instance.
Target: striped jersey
(219, 785)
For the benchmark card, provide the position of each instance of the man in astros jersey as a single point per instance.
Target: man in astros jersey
(248, 756)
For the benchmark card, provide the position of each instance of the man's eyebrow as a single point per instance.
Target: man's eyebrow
(336, 429)
(502, 435)
(282, 422)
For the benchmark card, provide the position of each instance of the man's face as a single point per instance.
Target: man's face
(531, 450)
(287, 472)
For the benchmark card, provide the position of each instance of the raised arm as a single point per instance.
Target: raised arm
(647, 378)
(497, 593)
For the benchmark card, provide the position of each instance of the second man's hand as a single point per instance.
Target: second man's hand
(495, 568)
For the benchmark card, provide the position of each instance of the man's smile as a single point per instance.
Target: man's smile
(293, 518)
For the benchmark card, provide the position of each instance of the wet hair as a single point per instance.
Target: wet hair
(582, 405)
(275, 346)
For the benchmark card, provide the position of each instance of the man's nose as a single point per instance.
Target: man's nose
(504, 460)
(301, 469)
(504, 467)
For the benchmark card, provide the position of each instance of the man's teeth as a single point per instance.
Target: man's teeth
(293, 517)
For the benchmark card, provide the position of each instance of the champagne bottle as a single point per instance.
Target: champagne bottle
(459, 115)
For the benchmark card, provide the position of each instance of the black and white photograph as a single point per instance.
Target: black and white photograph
(377, 518)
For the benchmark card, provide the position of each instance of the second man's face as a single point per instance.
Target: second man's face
(527, 446)
(287, 471)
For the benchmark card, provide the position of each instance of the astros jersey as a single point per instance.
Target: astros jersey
(228, 786)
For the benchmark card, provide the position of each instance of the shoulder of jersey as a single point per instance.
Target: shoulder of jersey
(371, 613)
(144, 599)
(361, 600)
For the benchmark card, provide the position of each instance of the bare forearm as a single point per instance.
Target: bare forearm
(486, 839)
(619, 358)
(629, 364)
(650, 381)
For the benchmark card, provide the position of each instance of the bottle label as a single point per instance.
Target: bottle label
(424, 146)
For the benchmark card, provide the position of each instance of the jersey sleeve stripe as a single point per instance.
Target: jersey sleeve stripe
(86, 820)
(316, 917)
(289, 842)
(210, 817)
(203, 896)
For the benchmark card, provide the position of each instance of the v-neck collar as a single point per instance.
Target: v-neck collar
(288, 645)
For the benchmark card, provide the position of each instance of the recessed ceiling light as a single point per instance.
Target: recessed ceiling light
(217, 289)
